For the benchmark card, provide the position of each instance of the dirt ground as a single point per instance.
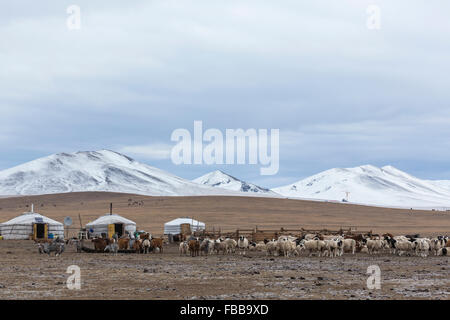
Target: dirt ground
(26, 274)
(228, 213)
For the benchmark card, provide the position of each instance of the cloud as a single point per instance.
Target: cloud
(340, 94)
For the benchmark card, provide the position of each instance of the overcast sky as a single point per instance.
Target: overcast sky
(341, 94)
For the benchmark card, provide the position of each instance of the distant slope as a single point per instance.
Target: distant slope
(220, 179)
(444, 184)
(386, 186)
(95, 171)
(228, 213)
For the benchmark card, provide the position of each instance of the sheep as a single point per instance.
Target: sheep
(309, 236)
(231, 245)
(112, 248)
(421, 246)
(55, 246)
(220, 246)
(436, 244)
(207, 246)
(146, 245)
(444, 251)
(329, 248)
(403, 246)
(293, 247)
(364, 249)
(330, 237)
(260, 247)
(340, 246)
(242, 244)
(313, 246)
(401, 238)
(183, 248)
(333, 247)
(290, 238)
(390, 243)
(282, 245)
(349, 245)
(298, 249)
(285, 245)
(272, 247)
(374, 246)
(210, 246)
(340, 243)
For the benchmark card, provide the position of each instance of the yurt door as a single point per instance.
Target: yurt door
(118, 228)
(40, 231)
(111, 230)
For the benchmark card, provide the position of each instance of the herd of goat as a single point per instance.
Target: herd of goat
(321, 245)
(311, 244)
(144, 244)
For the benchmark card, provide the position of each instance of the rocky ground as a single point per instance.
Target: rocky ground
(26, 274)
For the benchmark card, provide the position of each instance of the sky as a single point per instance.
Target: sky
(342, 94)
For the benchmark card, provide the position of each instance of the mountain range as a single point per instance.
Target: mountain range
(110, 171)
(102, 170)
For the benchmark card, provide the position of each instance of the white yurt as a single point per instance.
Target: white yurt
(31, 223)
(174, 226)
(109, 224)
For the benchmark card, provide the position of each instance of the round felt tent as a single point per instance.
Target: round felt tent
(31, 223)
(110, 224)
(174, 226)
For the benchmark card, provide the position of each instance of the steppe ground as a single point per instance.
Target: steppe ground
(26, 274)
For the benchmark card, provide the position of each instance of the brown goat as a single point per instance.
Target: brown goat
(156, 243)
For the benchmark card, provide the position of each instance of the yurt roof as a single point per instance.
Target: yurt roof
(109, 219)
(31, 217)
(179, 221)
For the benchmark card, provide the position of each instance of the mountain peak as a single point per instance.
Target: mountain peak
(223, 180)
(368, 184)
(369, 166)
(106, 153)
(219, 172)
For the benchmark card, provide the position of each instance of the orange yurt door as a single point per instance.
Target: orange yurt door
(111, 230)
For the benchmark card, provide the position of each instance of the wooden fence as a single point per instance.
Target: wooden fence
(257, 234)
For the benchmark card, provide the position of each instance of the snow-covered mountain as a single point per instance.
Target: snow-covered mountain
(444, 184)
(223, 180)
(386, 186)
(96, 171)
(111, 171)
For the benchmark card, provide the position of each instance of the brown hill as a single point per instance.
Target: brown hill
(228, 213)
